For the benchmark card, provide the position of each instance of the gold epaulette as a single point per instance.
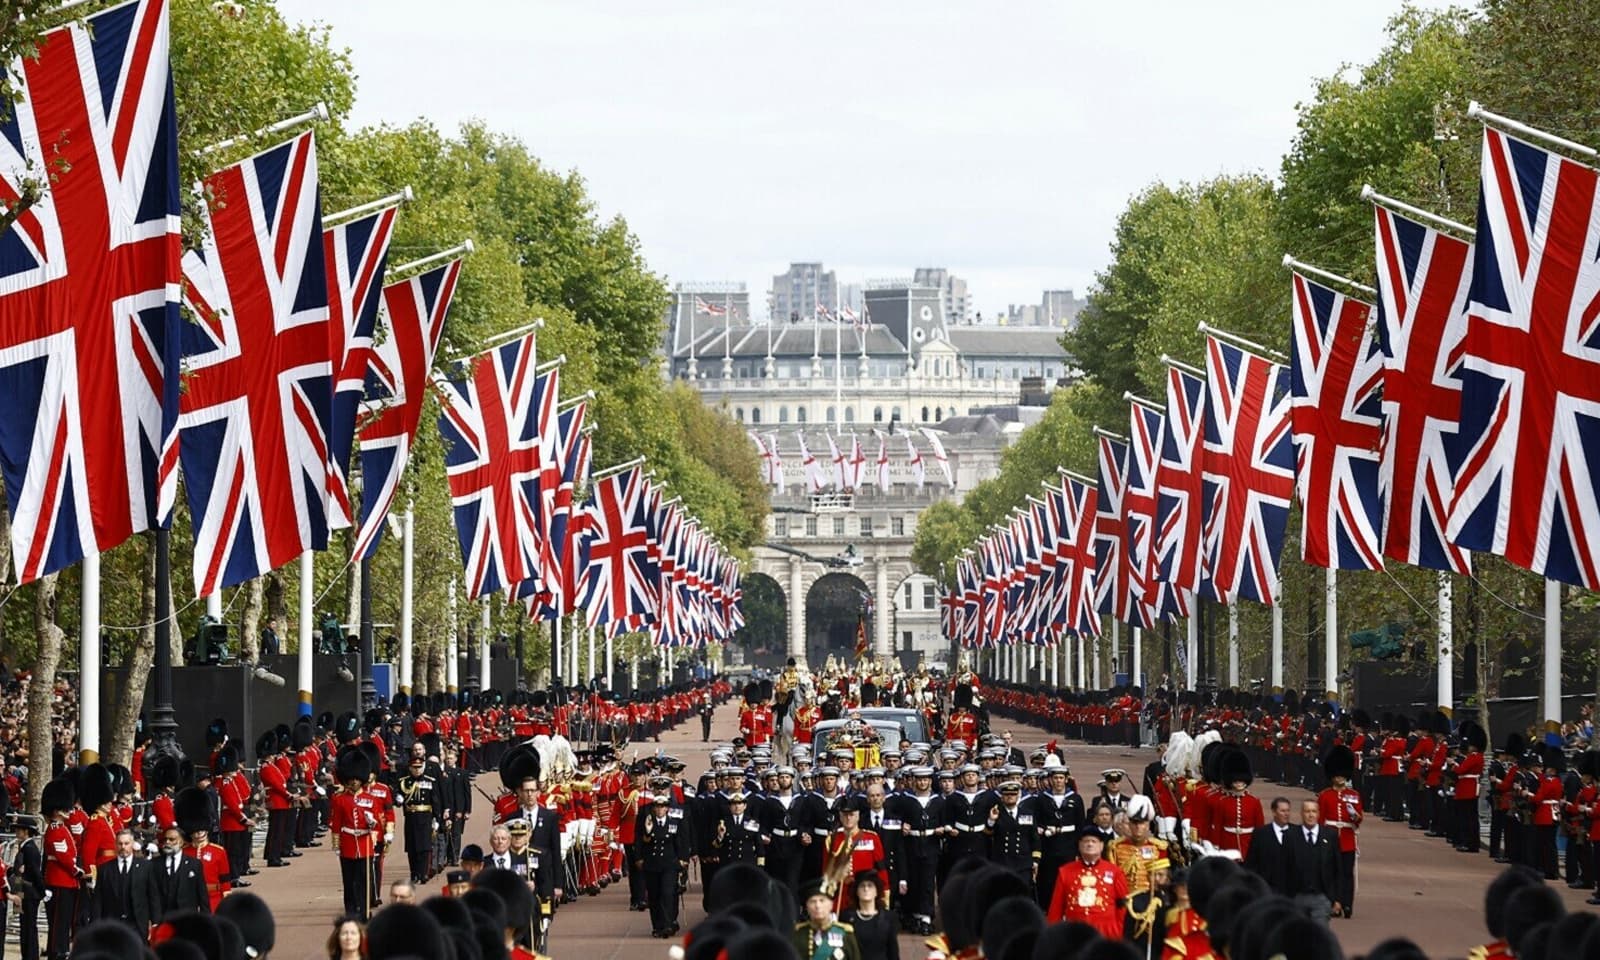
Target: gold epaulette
(847, 928)
(1176, 945)
(937, 943)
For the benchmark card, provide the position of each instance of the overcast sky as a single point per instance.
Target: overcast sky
(998, 139)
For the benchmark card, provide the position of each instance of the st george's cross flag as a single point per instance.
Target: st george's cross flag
(914, 461)
(1247, 471)
(89, 275)
(1530, 373)
(258, 378)
(410, 324)
(814, 475)
(1422, 303)
(777, 462)
(355, 254)
(487, 422)
(939, 456)
(1336, 408)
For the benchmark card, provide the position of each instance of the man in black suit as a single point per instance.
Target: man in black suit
(125, 889)
(180, 881)
(1269, 848)
(1313, 868)
(545, 840)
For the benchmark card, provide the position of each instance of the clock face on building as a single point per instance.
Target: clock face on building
(925, 314)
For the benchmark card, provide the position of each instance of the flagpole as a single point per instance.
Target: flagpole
(1082, 644)
(1475, 111)
(1277, 642)
(1116, 647)
(485, 625)
(1096, 674)
(577, 673)
(452, 663)
(1136, 635)
(1446, 673)
(1175, 363)
(407, 597)
(464, 247)
(1192, 646)
(1233, 644)
(1330, 651)
(1398, 206)
(608, 471)
(557, 665)
(1239, 341)
(382, 203)
(1302, 267)
(838, 384)
(611, 661)
(306, 648)
(318, 113)
(89, 660)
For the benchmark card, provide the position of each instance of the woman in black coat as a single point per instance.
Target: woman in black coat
(876, 930)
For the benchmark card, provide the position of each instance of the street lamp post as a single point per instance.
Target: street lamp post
(369, 692)
(163, 722)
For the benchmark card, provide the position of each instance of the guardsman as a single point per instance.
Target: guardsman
(1502, 776)
(806, 716)
(819, 936)
(280, 805)
(852, 849)
(98, 845)
(355, 827)
(381, 798)
(1547, 801)
(307, 761)
(663, 854)
(1136, 853)
(62, 871)
(962, 726)
(1235, 813)
(1340, 806)
(1090, 890)
(416, 798)
(1391, 769)
(1013, 838)
(234, 823)
(1464, 797)
(194, 819)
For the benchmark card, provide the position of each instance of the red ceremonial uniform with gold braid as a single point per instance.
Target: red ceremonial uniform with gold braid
(214, 864)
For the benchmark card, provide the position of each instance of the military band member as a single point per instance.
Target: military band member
(355, 827)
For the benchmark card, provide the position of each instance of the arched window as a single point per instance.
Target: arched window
(800, 414)
(938, 415)
(877, 414)
(755, 414)
(924, 415)
(849, 414)
(831, 412)
(783, 414)
(738, 414)
(895, 414)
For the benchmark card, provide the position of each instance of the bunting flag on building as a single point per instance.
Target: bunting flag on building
(1336, 408)
(1423, 276)
(881, 473)
(355, 254)
(1248, 473)
(840, 474)
(776, 463)
(814, 474)
(89, 324)
(258, 385)
(410, 324)
(939, 456)
(1530, 378)
(914, 461)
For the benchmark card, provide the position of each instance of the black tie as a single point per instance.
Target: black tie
(1311, 836)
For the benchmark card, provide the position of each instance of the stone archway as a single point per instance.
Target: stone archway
(834, 606)
(766, 615)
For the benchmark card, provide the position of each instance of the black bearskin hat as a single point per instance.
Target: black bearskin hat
(227, 760)
(538, 698)
(373, 721)
(404, 930)
(752, 692)
(1234, 767)
(266, 745)
(324, 722)
(216, 732)
(192, 809)
(520, 763)
(1210, 757)
(1340, 762)
(351, 764)
(95, 788)
(961, 696)
(373, 754)
(1473, 735)
(1515, 744)
(1499, 891)
(347, 727)
(513, 891)
(253, 917)
(161, 773)
(121, 780)
(1588, 763)
(284, 735)
(1555, 761)
(1402, 726)
(400, 702)
(302, 735)
(58, 797)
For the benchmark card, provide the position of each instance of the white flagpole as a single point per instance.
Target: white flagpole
(838, 384)
(576, 674)
(1097, 663)
(1330, 651)
(1552, 655)
(308, 616)
(1116, 644)
(89, 660)
(557, 664)
(592, 671)
(1191, 647)
(1277, 644)
(1082, 645)
(452, 662)
(1446, 681)
(407, 599)
(1138, 658)
(485, 623)
(611, 662)
(1233, 645)
(214, 606)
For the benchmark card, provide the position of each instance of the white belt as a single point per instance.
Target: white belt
(785, 833)
(1239, 830)
(1467, 776)
(1341, 824)
(967, 827)
(921, 833)
(820, 831)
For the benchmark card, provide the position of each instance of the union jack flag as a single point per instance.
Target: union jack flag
(1077, 542)
(1154, 600)
(89, 324)
(550, 462)
(557, 595)
(1530, 395)
(1179, 547)
(1248, 473)
(258, 386)
(619, 576)
(411, 319)
(1336, 379)
(356, 254)
(488, 421)
(1114, 593)
(1059, 554)
(1422, 305)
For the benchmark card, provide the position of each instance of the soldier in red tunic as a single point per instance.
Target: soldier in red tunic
(62, 871)
(1464, 796)
(193, 808)
(963, 723)
(1090, 890)
(1340, 806)
(1236, 813)
(863, 849)
(355, 827)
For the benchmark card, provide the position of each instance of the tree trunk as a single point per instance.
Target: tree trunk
(352, 615)
(41, 690)
(250, 629)
(277, 613)
(130, 702)
(172, 615)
